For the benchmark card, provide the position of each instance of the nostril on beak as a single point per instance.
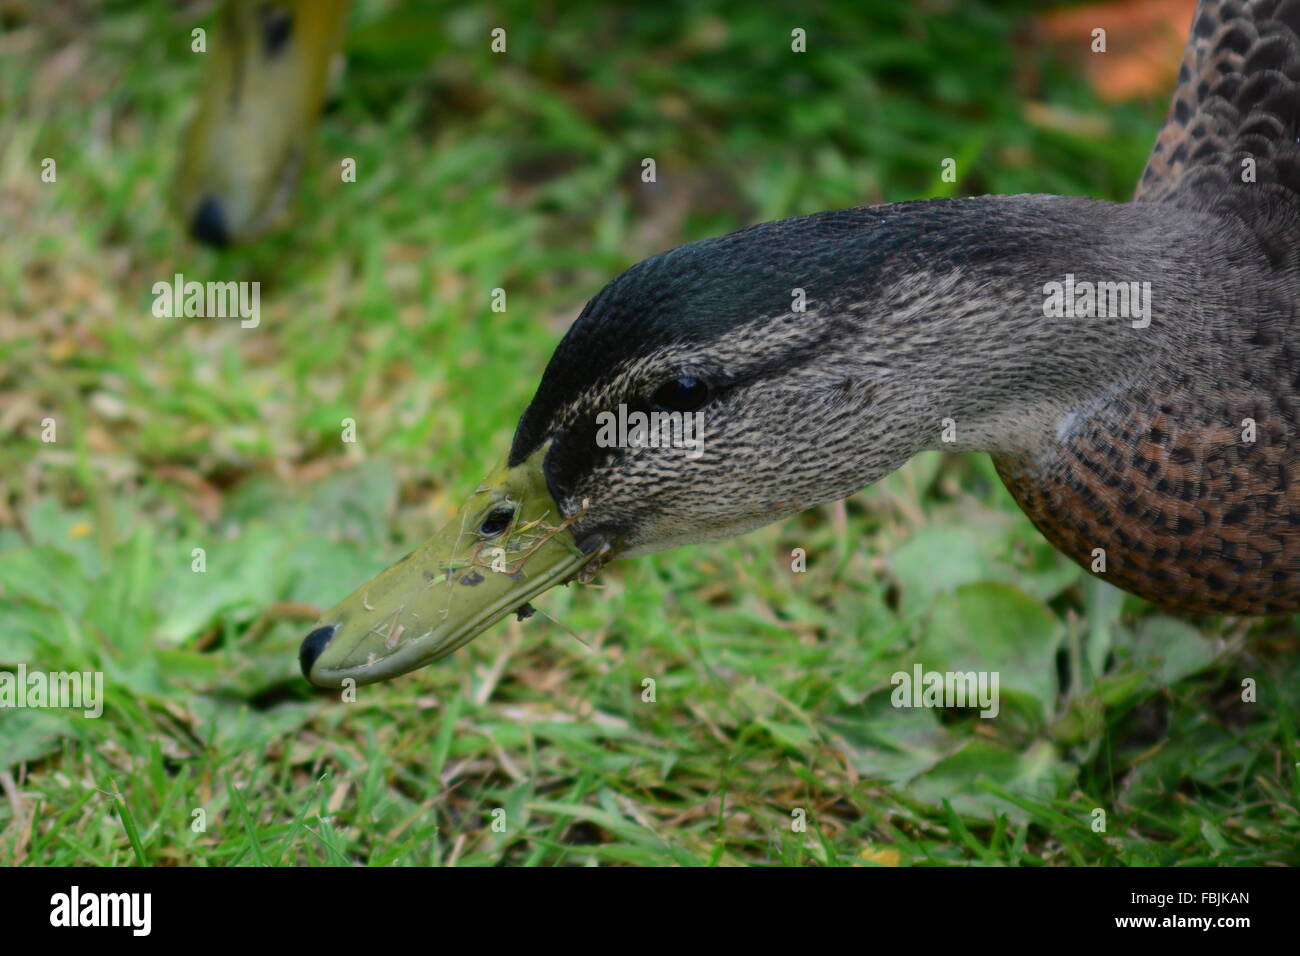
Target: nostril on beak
(312, 645)
(209, 223)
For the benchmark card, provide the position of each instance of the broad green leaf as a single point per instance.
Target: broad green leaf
(996, 627)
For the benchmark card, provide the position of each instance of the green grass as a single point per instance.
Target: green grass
(771, 687)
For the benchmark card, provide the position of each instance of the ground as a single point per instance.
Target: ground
(1124, 736)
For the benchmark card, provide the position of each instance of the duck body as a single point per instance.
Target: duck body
(1156, 443)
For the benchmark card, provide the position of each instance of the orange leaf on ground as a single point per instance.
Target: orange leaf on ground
(1144, 44)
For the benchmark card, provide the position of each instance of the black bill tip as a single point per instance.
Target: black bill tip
(312, 645)
(209, 223)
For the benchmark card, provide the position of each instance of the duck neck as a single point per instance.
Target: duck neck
(1008, 317)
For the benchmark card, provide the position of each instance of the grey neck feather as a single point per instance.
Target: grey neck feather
(959, 332)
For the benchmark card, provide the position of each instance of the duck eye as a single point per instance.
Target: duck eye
(683, 394)
(498, 520)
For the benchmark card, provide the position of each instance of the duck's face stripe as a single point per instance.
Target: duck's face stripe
(750, 304)
(802, 406)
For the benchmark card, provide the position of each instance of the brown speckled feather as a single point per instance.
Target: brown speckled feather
(1238, 98)
(1163, 479)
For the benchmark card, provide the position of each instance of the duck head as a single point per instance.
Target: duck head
(262, 91)
(732, 382)
(707, 391)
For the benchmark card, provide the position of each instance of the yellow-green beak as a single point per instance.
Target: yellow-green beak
(505, 546)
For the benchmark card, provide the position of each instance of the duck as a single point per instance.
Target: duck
(1133, 369)
(263, 89)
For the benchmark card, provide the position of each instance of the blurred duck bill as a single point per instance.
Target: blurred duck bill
(263, 88)
(505, 546)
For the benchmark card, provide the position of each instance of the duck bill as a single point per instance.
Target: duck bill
(263, 88)
(453, 587)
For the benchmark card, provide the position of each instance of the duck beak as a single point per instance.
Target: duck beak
(263, 87)
(453, 587)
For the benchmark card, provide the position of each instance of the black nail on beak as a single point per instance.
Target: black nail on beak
(312, 645)
(209, 223)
